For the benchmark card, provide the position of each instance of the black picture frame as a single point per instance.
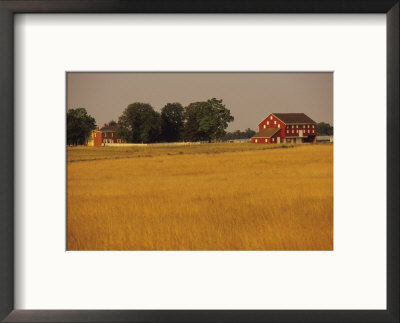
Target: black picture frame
(8, 8)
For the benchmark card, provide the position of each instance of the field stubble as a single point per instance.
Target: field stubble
(204, 197)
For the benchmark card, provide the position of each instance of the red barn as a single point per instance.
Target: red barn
(286, 128)
(106, 135)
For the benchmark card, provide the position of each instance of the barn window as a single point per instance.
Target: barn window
(271, 117)
(297, 126)
(279, 125)
(297, 131)
(313, 126)
(292, 131)
(265, 126)
(273, 139)
(275, 122)
(95, 134)
(287, 131)
(266, 140)
(313, 131)
(267, 123)
(256, 140)
(308, 126)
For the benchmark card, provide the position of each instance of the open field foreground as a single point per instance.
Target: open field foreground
(200, 197)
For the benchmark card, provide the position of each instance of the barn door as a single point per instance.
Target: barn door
(278, 140)
(300, 133)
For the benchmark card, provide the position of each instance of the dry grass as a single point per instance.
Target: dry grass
(204, 197)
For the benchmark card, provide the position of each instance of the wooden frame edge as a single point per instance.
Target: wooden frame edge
(6, 161)
(9, 8)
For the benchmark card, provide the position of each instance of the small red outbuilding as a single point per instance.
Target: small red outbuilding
(106, 135)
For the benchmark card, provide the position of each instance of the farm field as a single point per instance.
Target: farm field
(230, 196)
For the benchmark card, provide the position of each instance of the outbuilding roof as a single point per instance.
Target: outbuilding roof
(266, 133)
(294, 118)
(109, 128)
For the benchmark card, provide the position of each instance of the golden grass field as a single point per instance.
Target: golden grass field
(226, 196)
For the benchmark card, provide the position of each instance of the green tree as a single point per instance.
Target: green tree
(198, 118)
(249, 133)
(221, 117)
(324, 129)
(172, 122)
(139, 123)
(79, 126)
(112, 123)
(191, 126)
(206, 120)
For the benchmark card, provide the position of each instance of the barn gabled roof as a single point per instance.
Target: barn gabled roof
(294, 118)
(266, 133)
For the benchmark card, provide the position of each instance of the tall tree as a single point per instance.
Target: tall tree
(221, 117)
(79, 126)
(194, 113)
(139, 123)
(172, 121)
(191, 127)
(211, 118)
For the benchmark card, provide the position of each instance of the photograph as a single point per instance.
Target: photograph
(199, 161)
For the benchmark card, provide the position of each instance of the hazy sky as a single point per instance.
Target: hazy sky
(249, 96)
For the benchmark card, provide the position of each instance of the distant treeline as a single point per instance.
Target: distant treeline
(140, 123)
(247, 134)
(324, 129)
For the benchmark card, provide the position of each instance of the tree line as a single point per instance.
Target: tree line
(237, 134)
(324, 129)
(141, 123)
